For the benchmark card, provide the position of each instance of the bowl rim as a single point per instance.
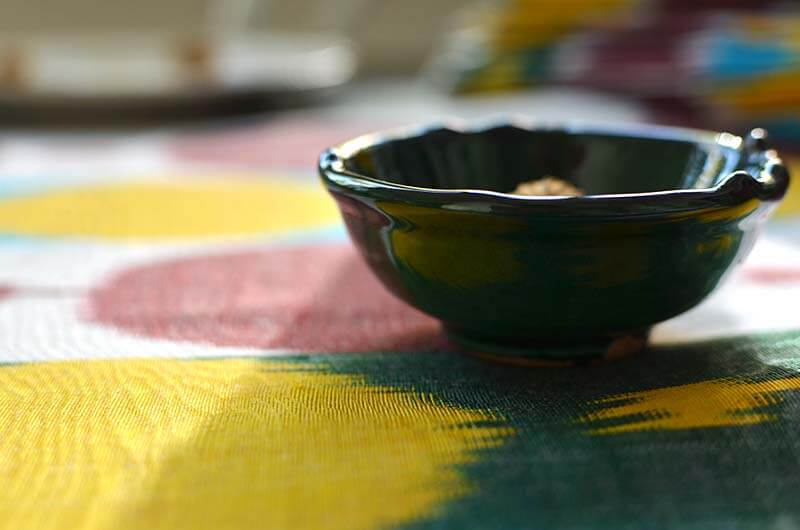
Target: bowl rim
(766, 177)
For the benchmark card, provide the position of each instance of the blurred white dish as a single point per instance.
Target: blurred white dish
(137, 69)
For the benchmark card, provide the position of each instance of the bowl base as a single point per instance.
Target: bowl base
(601, 349)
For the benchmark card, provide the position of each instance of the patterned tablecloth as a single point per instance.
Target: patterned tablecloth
(189, 341)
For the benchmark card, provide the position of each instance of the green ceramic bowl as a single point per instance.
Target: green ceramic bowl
(667, 214)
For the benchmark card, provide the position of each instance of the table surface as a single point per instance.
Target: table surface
(189, 341)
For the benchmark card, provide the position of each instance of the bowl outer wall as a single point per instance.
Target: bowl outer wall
(529, 278)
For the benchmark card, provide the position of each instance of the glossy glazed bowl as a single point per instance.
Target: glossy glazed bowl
(668, 212)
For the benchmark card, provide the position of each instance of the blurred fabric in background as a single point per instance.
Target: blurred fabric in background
(730, 63)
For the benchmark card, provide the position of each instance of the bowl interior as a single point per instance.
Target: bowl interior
(499, 159)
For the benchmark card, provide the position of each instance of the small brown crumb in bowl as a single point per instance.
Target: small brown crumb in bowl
(547, 186)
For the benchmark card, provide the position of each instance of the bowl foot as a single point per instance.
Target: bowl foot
(553, 354)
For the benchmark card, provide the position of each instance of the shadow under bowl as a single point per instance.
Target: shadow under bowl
(667, 214)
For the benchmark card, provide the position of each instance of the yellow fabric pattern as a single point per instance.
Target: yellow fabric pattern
(715, 403)
(768, 92)
(791, 203)
(526, 23)
(153, 210)
(223, 444)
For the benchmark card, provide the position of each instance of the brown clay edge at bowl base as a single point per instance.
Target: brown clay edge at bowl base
(549, 356)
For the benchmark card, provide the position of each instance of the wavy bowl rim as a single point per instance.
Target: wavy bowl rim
(768, 182)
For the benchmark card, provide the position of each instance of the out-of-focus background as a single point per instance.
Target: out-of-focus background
(713, 63)
(390, 37)
(735, 57)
